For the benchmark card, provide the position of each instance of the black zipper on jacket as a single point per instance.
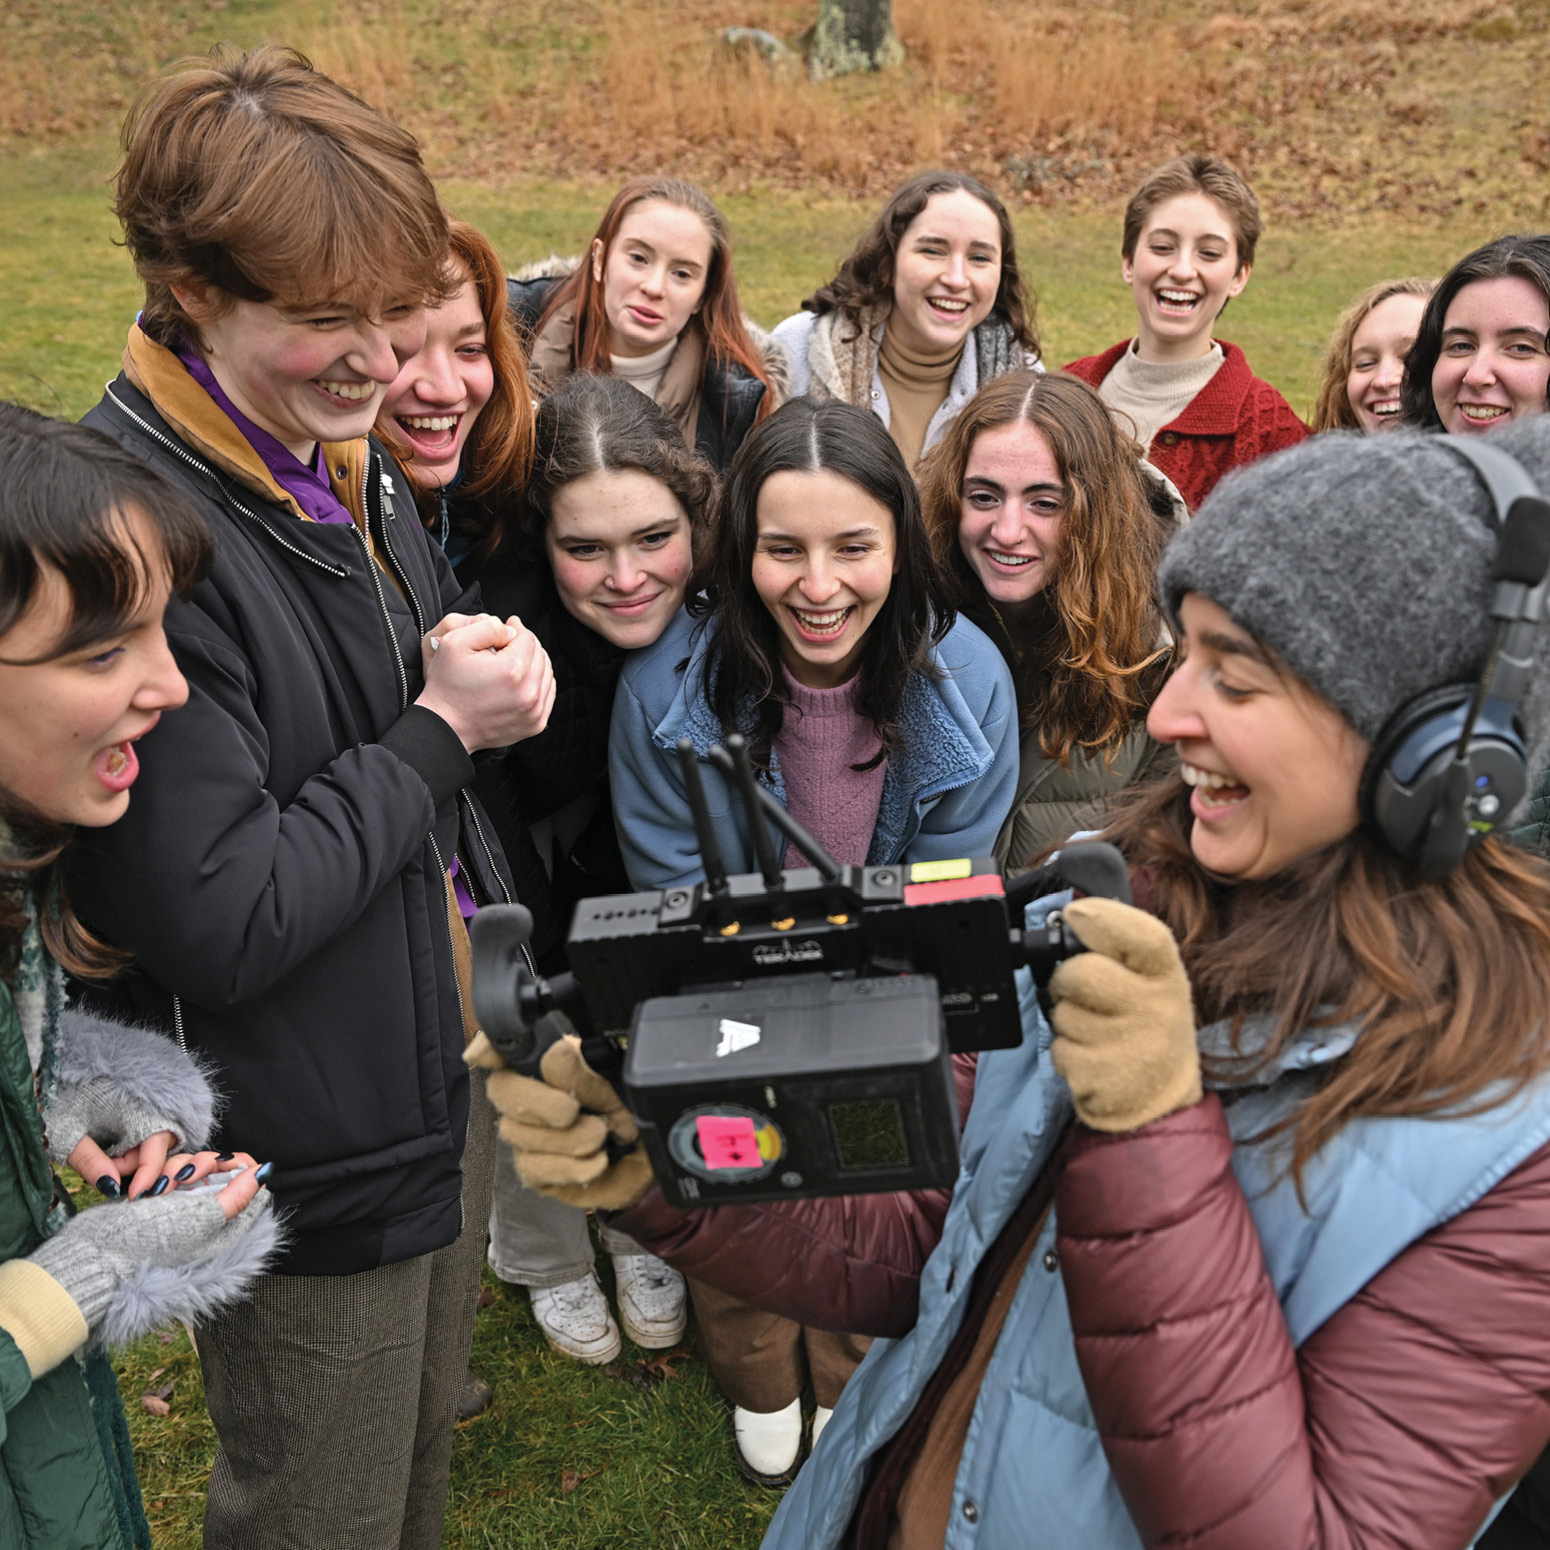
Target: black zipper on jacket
(179, 450)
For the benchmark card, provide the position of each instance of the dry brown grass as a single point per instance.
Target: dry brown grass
(1432, 107)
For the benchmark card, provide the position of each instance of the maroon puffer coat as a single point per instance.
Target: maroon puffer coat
(1395, 1425)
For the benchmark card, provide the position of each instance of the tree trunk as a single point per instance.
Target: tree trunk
(853, 35)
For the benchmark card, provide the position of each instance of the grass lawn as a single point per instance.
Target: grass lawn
(1433, 122)
(71, 293)
(572, 1456)
(567, 1458)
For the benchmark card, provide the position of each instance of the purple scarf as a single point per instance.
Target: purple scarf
(308, 487)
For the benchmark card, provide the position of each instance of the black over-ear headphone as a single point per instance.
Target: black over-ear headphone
(1450, 764)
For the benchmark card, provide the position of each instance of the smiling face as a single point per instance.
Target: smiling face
(1494, 365)
(823, 566)
(1184, 271)
(305, 374)
(653, 276)
(1014, 504)
(437, 396)
(618, 543)
(1274, 766)
(68, 724)
(945, 274)
(1378, 349)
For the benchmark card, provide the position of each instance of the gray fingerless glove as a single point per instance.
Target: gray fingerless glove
(133, 1267)
(119, 1084)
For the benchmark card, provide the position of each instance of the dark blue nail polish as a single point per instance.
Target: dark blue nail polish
(185, 1172)
(159, 1187)
(263, 1173)
(224, 1156)
(108, 1185)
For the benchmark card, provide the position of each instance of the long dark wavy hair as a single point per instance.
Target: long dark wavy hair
(1525, 258)
(747, 689)
(865, 279)
(66, 494)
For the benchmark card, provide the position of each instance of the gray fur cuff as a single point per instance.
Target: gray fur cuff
(120, 1084)
(156, 1296)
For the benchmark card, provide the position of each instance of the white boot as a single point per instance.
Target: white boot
(820, 1420)
(768, 1442)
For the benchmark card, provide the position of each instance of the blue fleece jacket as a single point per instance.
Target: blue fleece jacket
(950, 781)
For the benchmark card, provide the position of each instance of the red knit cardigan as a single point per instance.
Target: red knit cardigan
(1232, 420)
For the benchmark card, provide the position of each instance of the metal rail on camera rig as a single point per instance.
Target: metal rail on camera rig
(788, 1032)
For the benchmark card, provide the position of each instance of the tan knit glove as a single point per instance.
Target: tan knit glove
(557, 1128)
(1124, 1019)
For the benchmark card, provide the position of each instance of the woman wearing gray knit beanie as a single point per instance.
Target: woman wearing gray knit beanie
(1248, 1248)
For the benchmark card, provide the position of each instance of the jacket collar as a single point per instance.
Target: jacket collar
(200, 423)
(1214, 411)
(941, 747)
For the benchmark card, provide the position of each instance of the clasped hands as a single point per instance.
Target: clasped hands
(490, 681)
(559, 1127)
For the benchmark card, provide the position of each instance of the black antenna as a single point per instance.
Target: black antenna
(783, 821)
(742, 773)
(710, 848)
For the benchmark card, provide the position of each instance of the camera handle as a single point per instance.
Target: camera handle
(513, 1003)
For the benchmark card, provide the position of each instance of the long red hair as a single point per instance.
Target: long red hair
(720, 317)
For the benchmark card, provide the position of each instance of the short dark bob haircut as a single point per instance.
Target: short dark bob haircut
(66, 493)
(68, 496)
(747, 689)
(1522, 257)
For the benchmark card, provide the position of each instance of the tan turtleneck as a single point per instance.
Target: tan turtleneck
(1153, 393)
(645, 372)
(916, 386)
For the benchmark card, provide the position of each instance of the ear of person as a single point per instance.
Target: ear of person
(1124, 1019)
(559, 1125)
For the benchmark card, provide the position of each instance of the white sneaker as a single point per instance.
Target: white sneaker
(575, 1320)
(768, 1442)
(653, 1300)
(821, 1415)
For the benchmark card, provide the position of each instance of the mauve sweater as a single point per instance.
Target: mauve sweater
(820, 740)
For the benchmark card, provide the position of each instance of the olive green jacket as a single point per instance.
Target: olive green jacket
(1534, 832)
(1055, 801)
(67, 1477)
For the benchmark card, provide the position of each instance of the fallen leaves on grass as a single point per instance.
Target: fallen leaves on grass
(646, 1374)
(155, 1401)
(571, 1478)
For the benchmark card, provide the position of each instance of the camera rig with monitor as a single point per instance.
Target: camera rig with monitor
(787, 1033)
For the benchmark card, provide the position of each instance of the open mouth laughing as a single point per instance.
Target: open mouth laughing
(821, 627)
(431, 435)
(1213, 792)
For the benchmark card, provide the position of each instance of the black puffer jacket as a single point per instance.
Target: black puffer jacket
(565, 764)
(280, 874)
(730, 397)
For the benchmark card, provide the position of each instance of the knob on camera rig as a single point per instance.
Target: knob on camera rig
(787, 1033)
